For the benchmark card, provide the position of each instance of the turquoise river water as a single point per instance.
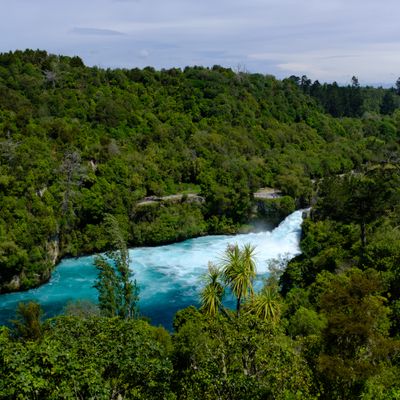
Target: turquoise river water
(169, 277)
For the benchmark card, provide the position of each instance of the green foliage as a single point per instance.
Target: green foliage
(91, 358)
(351, 100)
(28, 324)
(80, 144)
(326, 245)
(306, 322)
(384, 385)
(118, 295)
(244, 359)
(359, 198)
(77, 143)
(275, 210)
(212, 294)
(266, 304)
(239, 271)
(356, 335)
(346, 318)
(159, 223)
(82, 309)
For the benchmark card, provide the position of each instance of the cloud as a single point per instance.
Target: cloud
(326, 40)
(96, 32)
(144, 53)
(372, 63)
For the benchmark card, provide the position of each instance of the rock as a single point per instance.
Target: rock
(306, 213)
(53, 250)
(93, 165)
(173, 198)
(41, 192)
(267, 193)
(14, 284)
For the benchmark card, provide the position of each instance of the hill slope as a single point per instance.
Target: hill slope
(77, 143)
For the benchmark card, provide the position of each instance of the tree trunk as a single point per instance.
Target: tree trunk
(363, 235)
(238, 305)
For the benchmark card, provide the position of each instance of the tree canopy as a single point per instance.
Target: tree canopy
(78, 143)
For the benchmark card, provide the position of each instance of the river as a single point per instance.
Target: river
(169, 277)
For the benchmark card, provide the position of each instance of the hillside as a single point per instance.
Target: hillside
(77, 143)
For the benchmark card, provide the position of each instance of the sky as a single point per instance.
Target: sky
(328, 40)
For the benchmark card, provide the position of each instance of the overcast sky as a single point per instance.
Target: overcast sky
(324, 39)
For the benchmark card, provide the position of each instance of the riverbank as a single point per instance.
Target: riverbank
(160, 221)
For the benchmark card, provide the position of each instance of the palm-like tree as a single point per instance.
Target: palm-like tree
(267, 304)
(213, 292)
(248, 253)
(239, 271)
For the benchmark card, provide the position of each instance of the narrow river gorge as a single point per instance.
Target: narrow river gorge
(169, 277)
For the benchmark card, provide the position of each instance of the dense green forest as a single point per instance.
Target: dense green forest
(351, 100)
(77, 143)
(80, 150)
(324, 326)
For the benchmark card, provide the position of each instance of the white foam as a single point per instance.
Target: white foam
(157, 268)
(168, 276)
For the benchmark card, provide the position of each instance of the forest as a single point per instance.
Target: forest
(82, 147)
